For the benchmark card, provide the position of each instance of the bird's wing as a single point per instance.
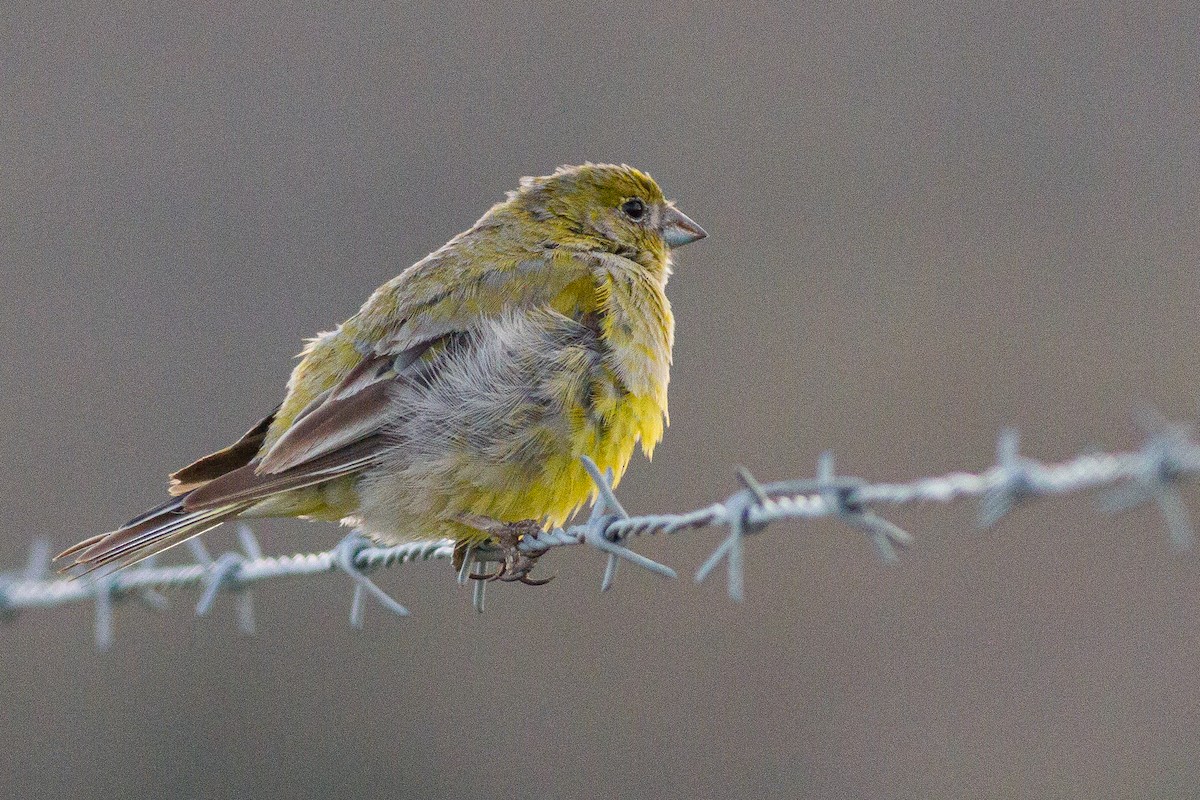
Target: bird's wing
(340, 433)
(245, 486)
(444, 298)
(436, 305)
(357, 407)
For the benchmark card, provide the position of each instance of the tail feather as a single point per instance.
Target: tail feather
(75, 548)
(212, 491)
(173, 504)
(246, 485)
(169, 524)
(125, 543)
(145, 536)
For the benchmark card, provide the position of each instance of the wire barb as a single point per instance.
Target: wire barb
(224, 574)
(748, 512)
(1164, 462)
(37, 565)
(730, 550)
(840, 496)
(738, 508)
(478, 595)
(597, 532)
(1011, 480)
(104, 589)
(345, 556)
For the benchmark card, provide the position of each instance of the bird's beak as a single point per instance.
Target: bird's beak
(679, 229)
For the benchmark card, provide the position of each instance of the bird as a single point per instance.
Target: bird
(458, 402)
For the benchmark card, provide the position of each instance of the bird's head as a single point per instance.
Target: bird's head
(619, 206)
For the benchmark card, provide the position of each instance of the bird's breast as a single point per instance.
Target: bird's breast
(638, 330)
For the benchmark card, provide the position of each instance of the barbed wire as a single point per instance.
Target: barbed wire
(1150, 474)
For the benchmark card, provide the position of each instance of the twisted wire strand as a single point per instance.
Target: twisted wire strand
(1150, 474)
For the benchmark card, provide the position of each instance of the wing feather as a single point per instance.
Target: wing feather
(211, 466)
(360, 405)
(246, 485)
(335, 424)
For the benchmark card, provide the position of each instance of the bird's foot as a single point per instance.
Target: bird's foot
(515, 563)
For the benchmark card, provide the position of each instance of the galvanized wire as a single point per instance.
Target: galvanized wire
(1150, 474)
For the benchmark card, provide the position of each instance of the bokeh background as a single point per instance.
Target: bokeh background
(926, 223)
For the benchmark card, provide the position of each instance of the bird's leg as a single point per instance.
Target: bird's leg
(515, 563)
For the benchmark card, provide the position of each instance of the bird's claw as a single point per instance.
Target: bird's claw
(534, 581)
(489, 576)
(518, 571)
(515, 563)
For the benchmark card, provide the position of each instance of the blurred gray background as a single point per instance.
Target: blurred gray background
(925, 224)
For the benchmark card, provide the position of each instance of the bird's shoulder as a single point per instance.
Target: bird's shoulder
(476, 277)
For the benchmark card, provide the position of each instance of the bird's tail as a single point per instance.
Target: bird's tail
(217, 488)
(147, 534)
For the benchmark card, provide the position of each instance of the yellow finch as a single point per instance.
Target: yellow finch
(458, 400)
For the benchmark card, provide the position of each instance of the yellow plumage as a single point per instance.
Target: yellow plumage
(469, 386)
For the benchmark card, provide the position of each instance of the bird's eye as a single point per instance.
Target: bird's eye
(635, 209)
